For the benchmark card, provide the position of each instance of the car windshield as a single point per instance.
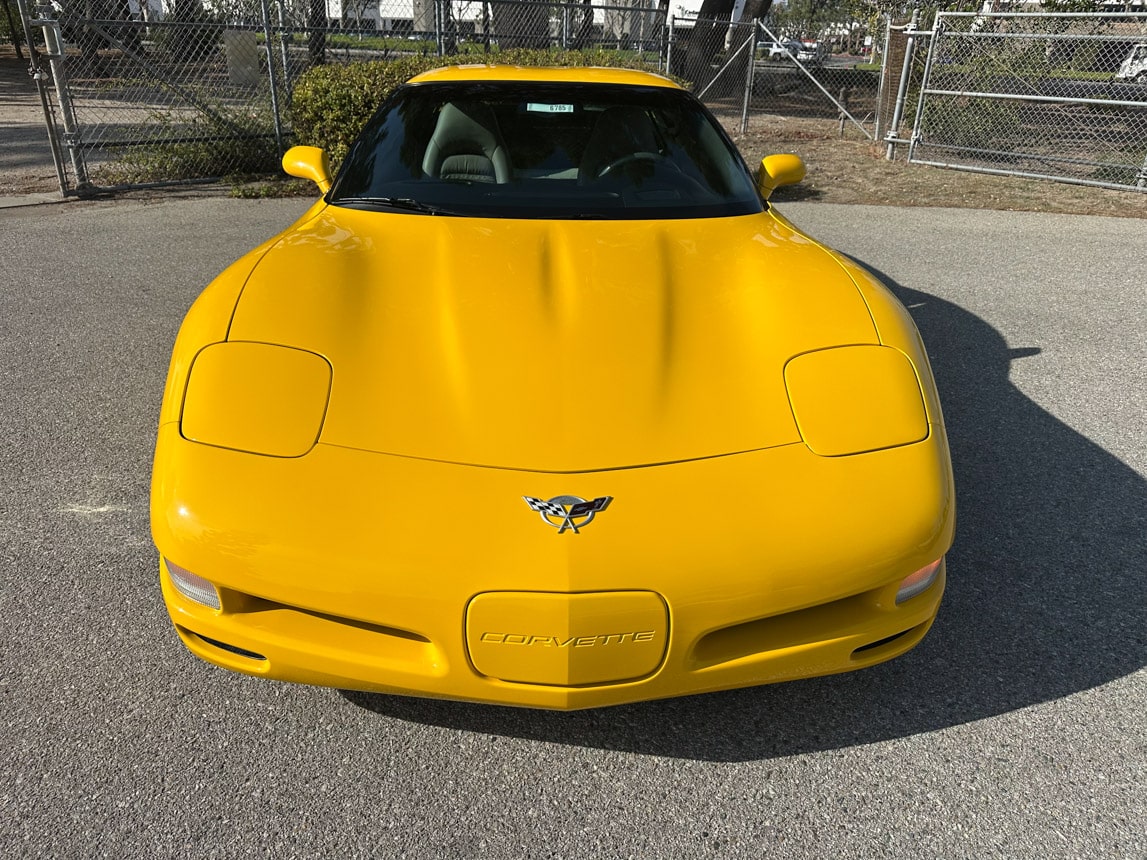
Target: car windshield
(511, 149)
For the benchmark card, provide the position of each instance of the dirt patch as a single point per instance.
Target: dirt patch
(854, 170)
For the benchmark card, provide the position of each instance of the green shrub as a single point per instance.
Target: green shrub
(331, 104)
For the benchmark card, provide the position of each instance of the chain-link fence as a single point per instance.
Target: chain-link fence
(190, 92)
(162, 91)
(142, 102)
(1050, 96)
(826, 74)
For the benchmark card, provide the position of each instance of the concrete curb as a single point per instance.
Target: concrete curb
(31, 200)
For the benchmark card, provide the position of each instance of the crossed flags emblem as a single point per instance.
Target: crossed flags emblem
(566, 509)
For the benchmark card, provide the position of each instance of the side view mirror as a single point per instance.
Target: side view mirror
(777, 170)
(310, 162)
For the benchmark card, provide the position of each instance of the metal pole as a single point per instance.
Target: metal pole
(439, 38)
(1069, 180)
(937, 32)
(271, 76)
(749, 80)
(902, 92)
(284, 38)
(485, 27)
(54, 43)
(50, 122)
(671, 25)
(40, 77)
(878, 132)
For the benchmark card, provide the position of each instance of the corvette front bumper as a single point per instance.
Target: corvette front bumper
(382, 573)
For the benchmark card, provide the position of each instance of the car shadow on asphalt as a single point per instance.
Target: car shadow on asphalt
(1045, 593)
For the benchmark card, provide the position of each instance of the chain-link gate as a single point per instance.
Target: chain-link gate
(1056, 97)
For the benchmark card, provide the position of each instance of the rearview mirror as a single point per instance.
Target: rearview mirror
(309, 162)
(778, 170)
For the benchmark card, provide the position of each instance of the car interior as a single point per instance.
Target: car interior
(517, 151)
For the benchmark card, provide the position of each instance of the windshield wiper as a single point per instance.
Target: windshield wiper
(408, 204)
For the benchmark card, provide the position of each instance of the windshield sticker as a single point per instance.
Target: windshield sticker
(538, 107)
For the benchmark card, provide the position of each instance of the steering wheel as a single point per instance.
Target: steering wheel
(629, 159)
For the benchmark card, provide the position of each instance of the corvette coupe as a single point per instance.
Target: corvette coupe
(545, 404)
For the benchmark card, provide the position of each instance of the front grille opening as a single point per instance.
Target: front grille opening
(912, 633)
(241, 603)
(776, 632)
(230, 649)
(393, 632)
(873, 645)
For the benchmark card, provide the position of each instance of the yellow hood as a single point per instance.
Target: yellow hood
(552, 345)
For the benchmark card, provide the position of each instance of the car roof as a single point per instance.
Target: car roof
(563, 74)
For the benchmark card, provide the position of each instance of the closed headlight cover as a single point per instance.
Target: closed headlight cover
(853, 399)
(256, 397)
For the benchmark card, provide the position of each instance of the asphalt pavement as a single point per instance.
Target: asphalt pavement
(1017, 729)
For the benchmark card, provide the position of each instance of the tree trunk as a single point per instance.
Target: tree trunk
(585, 30)
(706, 40)
(521, 25)
(317, 31)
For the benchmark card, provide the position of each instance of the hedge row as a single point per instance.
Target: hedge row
(331, 104)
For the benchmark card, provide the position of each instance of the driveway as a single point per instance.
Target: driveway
(1016, 729)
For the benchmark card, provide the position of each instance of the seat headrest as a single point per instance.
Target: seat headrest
(469, 129)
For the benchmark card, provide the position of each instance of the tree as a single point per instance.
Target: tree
(584, 35)
(521, 24)
(808, 18)
(317, 31)
(707, 38)
(9, 29)
(91, 38)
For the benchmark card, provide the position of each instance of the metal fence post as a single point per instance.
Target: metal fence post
(670, 24)
(54, 43)
(439, 34)
(878, 132)
(902, 92)
(937, 32)
(271, 76)
(40, 77)
(285, 36)
(749, 78)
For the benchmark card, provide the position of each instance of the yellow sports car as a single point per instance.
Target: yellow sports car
(544, 404)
